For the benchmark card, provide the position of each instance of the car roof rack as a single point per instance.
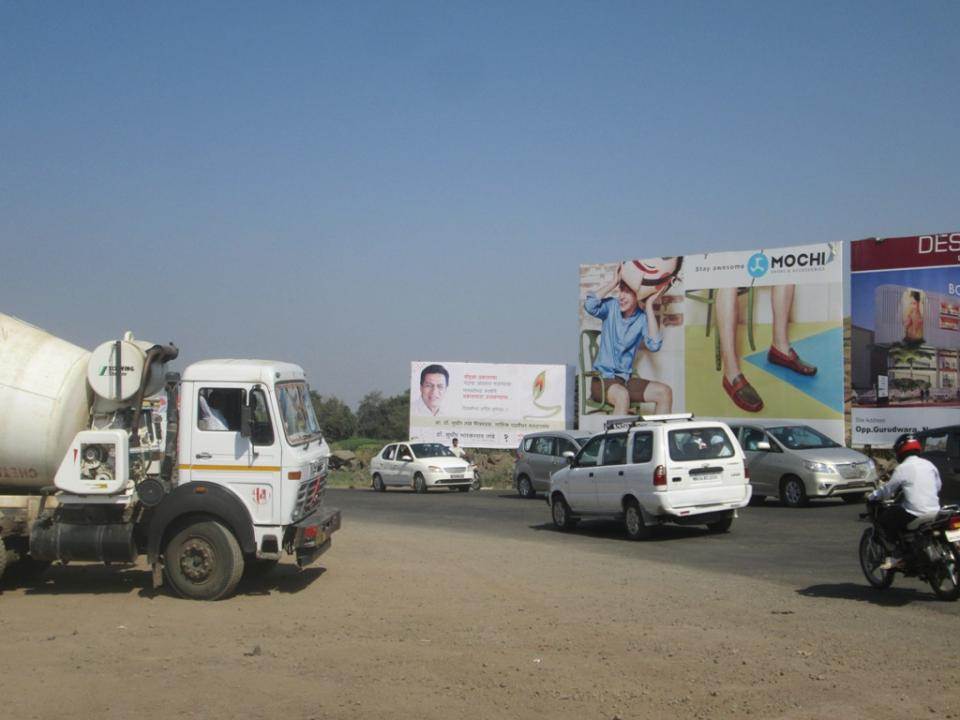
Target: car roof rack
(630, 421)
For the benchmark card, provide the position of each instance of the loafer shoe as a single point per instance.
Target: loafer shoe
(743, 394)
(791, 360)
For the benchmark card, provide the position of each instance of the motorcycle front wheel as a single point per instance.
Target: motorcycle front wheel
(872, 556)
(945, 579)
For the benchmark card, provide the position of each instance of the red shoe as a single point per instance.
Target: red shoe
(743, 394)
(791, 361)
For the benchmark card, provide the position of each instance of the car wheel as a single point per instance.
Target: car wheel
(633, 522)
(872, 556)
(854, 498)
(560, 512)
(525, 487)
(419, 483)
(475, 485)
(721, 526)
(792, 492)
(378, 483)
(203, 561)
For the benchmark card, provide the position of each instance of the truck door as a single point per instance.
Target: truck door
(219, 454)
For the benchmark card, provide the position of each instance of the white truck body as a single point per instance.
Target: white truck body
(104, 456)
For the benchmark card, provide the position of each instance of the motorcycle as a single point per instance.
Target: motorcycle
(930, 552)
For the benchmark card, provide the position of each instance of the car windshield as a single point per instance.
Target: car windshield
(296, 412)
(429, 450)
(801, 437)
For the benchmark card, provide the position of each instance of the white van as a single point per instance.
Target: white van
(651, 470)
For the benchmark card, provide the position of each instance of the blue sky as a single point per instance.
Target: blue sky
(353, 186)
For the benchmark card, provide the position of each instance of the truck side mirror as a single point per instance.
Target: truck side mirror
(246, 420)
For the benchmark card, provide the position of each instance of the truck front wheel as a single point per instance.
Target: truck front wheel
(203, 561)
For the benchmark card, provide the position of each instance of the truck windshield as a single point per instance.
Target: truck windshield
(296, 412)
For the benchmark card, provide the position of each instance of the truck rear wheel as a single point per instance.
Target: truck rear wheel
(203, 561)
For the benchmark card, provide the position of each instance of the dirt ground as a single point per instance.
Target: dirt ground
(397, 622)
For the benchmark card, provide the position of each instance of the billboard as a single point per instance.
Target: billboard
(487, 405)
(905, 336)
(740, 336)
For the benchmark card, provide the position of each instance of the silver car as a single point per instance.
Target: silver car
(796, 463)
(540, 455)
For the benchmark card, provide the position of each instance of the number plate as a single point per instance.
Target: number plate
(456, 476)
(711, 477)
(952, 535)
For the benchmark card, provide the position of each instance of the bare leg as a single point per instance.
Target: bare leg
(619, 397)
(661, 395)
(781, 353)
(725, 306)
(781, 298)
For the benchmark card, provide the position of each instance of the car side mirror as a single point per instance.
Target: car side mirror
(763, 446)
(406, 458)
(246, 421)
(569, 456)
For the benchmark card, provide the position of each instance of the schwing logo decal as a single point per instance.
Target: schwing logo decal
(260, 495)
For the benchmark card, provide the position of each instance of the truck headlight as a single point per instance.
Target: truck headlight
(820, 467)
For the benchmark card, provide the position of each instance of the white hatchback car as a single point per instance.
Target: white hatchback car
(652, 470)
(419, 466)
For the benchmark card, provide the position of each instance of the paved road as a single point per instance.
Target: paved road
(813, 549)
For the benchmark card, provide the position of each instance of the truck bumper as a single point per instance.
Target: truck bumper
(310, 538)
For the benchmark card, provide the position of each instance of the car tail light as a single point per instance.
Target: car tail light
(746, 473)
(954, 523)
(660, 476)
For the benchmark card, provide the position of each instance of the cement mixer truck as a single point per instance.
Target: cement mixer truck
(105, 456)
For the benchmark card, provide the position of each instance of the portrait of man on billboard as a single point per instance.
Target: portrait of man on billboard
(434, 381)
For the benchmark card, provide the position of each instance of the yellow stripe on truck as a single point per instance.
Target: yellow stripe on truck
(231, 468)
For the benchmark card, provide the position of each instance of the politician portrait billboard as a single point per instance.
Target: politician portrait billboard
(487, 405)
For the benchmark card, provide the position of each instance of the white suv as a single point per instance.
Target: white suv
(651, 470)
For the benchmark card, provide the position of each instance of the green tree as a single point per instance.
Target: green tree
(387, 418)
(336, 418)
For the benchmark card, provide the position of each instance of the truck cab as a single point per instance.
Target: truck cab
(249, 427)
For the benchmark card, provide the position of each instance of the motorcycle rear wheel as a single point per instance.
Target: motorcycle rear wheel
(872, 556)
(945, 581)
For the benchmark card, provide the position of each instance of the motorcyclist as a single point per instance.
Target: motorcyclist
(918, 482)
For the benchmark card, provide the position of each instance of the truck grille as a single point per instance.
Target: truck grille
(309, 496)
